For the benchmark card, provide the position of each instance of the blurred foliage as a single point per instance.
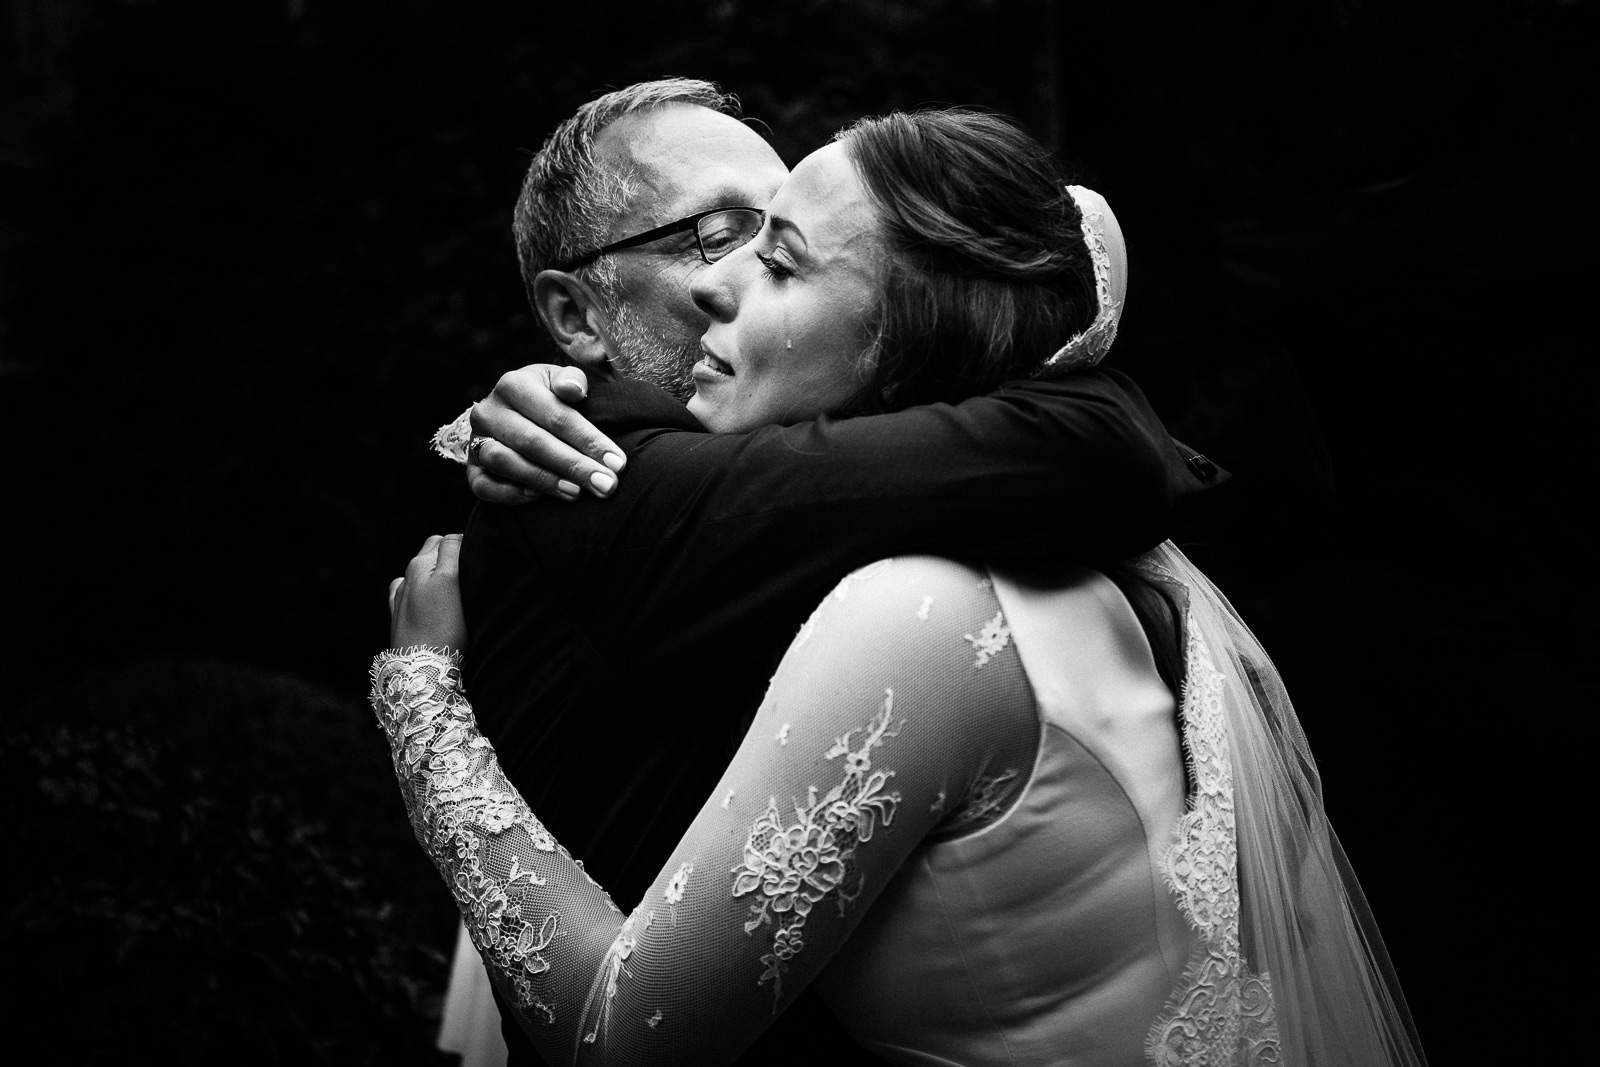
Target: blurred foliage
(220, 871)
(252, 253)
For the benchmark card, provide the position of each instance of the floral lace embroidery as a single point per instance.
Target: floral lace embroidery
(795, 866)
(458, 800)
(991, 640)
(1221, 1013)
(986, 798)
(840, 592)
(450, 440)
(678, 883)
(860, 576)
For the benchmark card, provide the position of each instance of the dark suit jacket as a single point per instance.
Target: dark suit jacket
(618, 647)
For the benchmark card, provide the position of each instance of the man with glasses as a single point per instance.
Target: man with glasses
(613, 210)
(617, 647)
(716, 233)
(623, 203)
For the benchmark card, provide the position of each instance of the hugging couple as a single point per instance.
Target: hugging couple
(864, 682)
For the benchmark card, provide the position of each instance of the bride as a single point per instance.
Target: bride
(972, 807)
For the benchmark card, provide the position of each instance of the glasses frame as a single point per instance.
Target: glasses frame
(689, 222)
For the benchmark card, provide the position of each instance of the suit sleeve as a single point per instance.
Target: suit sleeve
(1078, 468)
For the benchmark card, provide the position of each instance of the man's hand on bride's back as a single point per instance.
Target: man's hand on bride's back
(536, 444)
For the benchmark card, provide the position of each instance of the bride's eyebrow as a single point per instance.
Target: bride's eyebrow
(778, 222)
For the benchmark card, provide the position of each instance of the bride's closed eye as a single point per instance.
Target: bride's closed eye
(774, 267)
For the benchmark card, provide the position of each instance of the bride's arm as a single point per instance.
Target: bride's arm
(537, 443)
(869, 736)
(1081, 456)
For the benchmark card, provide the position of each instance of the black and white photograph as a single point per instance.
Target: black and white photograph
(843, 532)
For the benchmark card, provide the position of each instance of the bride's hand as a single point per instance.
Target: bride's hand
(536, 443)
(425, 605)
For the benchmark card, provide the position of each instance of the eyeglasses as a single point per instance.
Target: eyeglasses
(717, 232)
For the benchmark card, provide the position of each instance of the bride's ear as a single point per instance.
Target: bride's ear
(573, 317)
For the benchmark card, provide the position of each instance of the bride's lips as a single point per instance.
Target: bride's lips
(713, 364)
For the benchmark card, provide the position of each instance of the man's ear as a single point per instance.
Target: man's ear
(573, 317)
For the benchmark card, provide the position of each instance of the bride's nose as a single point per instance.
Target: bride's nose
(714, 289)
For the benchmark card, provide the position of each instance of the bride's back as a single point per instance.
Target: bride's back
(1033, 926)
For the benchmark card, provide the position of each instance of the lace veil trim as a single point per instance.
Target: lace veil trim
(1221, 1013)
(1289, 967)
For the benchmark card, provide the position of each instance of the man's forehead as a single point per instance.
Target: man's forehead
(683, 158)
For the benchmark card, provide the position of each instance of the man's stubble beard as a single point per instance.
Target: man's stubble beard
(644, 355)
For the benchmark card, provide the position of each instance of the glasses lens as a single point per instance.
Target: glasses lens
(724, 231)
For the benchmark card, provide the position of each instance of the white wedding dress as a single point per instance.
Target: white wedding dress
(469, 1025)
(962, 809)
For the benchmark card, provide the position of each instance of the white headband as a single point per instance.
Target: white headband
(1109, 253)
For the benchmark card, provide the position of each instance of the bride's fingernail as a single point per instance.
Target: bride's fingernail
(566, 488)
(613, 460)
(603, 483)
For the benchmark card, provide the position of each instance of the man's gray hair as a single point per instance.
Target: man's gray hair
(569, 201)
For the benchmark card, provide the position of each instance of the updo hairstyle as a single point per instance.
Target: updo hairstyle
(986, 273)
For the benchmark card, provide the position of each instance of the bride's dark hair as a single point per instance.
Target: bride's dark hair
(986, 272)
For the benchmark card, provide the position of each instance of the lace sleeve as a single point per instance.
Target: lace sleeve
(898, 700)
(450, 440)
(523, 899)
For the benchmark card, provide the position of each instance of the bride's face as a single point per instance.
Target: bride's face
(790, 310)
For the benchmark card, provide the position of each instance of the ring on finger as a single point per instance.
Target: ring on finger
(475, 446)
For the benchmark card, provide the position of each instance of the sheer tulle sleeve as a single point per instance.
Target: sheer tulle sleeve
(893, 701)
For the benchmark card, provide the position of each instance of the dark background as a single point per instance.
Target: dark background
(252, 253)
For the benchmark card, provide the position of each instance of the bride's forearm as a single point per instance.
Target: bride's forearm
(809, 821)
(543, 927)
